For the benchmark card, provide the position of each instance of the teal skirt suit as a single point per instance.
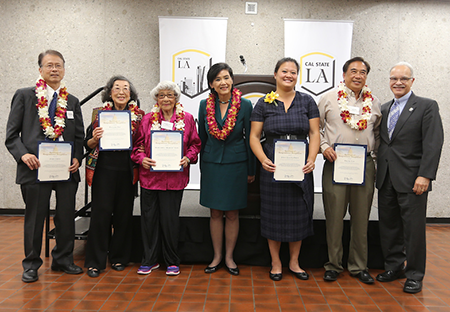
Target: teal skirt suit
(225, 164)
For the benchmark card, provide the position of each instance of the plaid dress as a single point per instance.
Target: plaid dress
(286, 208)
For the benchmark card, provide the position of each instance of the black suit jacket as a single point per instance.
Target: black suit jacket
(415, 147)
(23, 131)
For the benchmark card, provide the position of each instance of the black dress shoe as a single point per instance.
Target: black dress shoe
(93, 272)
(275, 276)
(300, 275)
(30, 276)
(412, 287)
(118, 266)
(330, 275)
(213, 269)
(390, 275)
(233, 271)
(364, 277)
(69, 269)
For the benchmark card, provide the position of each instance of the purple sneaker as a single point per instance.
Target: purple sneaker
(144, 270)
(173, 270)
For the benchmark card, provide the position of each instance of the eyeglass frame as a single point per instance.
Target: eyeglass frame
(402, 79)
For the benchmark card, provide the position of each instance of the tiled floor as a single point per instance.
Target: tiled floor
(194, 290)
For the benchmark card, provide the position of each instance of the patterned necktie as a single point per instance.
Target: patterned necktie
(52, 108)
(394, 113)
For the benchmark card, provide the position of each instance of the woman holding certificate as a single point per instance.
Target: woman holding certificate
(286, 207)
(110, 173)
(162, 182)
(227, 163)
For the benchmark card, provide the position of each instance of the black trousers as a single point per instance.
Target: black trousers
(37, 203)
(402, 222)
(160, 223)
(112, 204)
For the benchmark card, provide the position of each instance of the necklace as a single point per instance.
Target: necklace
(230, 122)
(42, 106)
(179, 118)
(224, 102)
(349, 119)
(136, 113)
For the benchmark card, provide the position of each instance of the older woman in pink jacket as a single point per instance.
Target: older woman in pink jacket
(162, 192)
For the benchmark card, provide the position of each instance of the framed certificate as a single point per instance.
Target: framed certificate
(350, 164)
(116, 130)
(55, 158)
(166, 149)
(289, 159)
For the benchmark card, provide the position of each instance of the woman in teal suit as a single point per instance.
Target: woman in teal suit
(226, 161)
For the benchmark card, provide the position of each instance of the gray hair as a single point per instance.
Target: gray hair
(404, 64)
(166, 85)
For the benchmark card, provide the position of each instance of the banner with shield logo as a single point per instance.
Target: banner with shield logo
(189, 46)
(321, 48)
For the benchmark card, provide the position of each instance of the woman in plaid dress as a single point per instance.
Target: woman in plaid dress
(286, 208)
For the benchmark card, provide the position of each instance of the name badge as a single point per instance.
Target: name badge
(166, 125)
(69, 114)
(353, 110)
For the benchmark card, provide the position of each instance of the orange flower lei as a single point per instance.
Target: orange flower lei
(136, 113)
(230, 122)
(52, 132)
(366, 113)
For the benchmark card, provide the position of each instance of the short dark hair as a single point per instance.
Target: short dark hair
(214, 71)
(51, 52)
(106, 93)
(285, 60)
(355, 59)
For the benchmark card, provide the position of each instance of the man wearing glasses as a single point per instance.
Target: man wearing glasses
(349, 114)
(46, 112)
(408, 158)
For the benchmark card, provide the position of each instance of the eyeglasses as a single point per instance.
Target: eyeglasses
(403, 79)
(51, 66)
(169, 96)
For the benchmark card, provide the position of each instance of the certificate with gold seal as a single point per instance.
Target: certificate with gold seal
(116, 130)
(289, 159)
(166, 149)
(55, 158)
(350, 164)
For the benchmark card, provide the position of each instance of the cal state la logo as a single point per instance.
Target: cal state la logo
(189, 71)
(317, 72)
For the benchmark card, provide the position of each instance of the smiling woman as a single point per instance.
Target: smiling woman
(286, 208)
(162, 192)
(227, 163)
(112, 177)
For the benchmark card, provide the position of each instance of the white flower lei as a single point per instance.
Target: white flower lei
(132, 106)
(42, 106)
(366, 111)
(179, 121)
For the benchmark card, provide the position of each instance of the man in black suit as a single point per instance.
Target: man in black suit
(408, 158)
(39, 113)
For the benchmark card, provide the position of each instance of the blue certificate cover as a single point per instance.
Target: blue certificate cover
(166, 148)
(55, 158)
(350, 166)
(116, 130)
(289, 158)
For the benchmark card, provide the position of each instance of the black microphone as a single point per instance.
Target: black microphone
(241, 57)
(242, 60)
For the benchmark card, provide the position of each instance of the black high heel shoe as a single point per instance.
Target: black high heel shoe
(93, 272)
(233, 271)
(213, 269)
(300, 275)
(275, 276)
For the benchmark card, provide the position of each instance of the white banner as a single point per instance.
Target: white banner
(321, 49)
(189, 46)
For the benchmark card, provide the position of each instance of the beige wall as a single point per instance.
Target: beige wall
(100, 38)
